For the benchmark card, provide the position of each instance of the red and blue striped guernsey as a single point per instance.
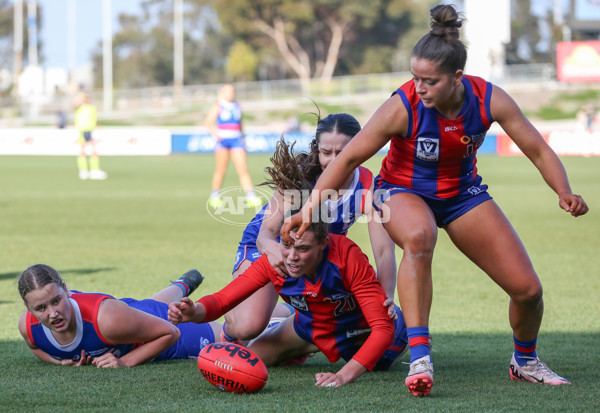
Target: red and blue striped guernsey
(437, 158)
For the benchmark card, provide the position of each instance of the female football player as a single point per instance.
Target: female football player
(337, 302)
(224, 122)
(435, 123)
(68, 327)
(291, 174)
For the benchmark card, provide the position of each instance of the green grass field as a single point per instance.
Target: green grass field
(148, 223)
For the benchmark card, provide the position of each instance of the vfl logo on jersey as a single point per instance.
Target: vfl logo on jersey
(299, 302)
(428, 149)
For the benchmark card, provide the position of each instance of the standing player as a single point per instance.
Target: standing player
(224, 121)
(291, 174)
(436, 123)
(72, 328)
(86, 120)
(337, 301)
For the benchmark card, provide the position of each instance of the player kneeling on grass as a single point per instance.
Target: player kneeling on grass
(68, 327)
(337, 301)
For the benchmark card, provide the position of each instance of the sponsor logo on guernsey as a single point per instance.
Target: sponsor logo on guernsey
(299, 302)
(428, 149)
(450, 128)
(354, 333)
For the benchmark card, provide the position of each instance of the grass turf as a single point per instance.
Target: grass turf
(148, 223)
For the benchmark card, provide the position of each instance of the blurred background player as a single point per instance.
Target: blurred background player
(68, 327)
(224, 121)
(86, 120)
(435, 123)
(337, 301)
(291, 174)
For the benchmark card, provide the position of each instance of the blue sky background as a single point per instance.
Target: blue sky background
(54, 30)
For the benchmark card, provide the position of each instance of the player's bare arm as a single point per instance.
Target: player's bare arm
(121, 324)
(365, 144)
(266, 241)
(507, 113)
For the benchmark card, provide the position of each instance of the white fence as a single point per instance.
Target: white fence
(264, 94)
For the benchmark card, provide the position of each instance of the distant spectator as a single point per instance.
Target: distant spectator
(589, 116)
(86, 120)
(292, 124)
(61, 119)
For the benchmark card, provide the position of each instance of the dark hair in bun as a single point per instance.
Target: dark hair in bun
(442, 44)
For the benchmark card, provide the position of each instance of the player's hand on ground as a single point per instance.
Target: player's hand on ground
(182, 312)
(574, 204)
(328, 380)
(391, 308)
(276, 261)
(107, 360)
(83, 361)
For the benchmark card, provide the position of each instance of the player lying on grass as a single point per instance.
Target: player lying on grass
(292, 173)
(68, 327)
(337, 301)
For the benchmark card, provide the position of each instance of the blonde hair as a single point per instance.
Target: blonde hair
(36, 277)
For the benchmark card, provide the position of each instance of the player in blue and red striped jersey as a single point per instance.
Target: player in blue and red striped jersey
(429, 179)
(294, 175)
(69, 327)
(224, 122)
(337, 301)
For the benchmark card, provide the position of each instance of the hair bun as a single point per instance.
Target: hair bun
(445, 21)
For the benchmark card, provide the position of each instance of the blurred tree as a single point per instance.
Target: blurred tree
(242, 62)
(308, 35)
(6, 34)
(143, 46)
(387, 45)
(317, 38)
(527, 45)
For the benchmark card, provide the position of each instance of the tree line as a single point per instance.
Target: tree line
(246, 40)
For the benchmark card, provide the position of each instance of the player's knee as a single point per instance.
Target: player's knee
(419, 244)
(246, 328)
(174, 334)
(249, 331)
(530, 294)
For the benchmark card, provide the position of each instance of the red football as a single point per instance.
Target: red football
(231, 367)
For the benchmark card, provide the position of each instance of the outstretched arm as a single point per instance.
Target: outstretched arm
(390, 119)
(211, 307)
(508, 115)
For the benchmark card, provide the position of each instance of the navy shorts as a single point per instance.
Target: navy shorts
(444, 210)
(87, 136)
(230, 143)
(245, 252)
